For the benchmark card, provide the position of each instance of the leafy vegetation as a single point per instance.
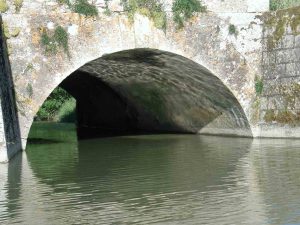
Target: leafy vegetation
(3, 6)
(58, 39)
(150, 8)
(57, 106)
(85, 8)
(183, 10)
(81, 6)
(67, 112)
(282, 4)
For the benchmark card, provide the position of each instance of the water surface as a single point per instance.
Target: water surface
(153, 179)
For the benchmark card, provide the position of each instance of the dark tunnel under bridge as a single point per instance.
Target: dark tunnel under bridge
(151, 91)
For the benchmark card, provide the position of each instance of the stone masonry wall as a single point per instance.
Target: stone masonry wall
(280, 98)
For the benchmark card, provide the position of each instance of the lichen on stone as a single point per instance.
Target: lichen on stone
(269, 116)
(3, 6)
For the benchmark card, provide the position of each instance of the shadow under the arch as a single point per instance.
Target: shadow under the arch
(142, 91)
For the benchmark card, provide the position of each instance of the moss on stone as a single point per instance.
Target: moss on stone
(82, 7)
(255, 106)
(286, 117)
(279, 21)
(281, 4)
(270, 116)
(3, 6)
(294, 23)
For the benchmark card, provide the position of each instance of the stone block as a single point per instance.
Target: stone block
(288, 41)
(293, 69)
(297, 41)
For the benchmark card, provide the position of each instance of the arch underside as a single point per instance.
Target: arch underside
(145, 90)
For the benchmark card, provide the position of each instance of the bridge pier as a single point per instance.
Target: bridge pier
(10, 141)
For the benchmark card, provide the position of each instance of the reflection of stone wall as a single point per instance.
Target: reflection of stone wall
(280, 99)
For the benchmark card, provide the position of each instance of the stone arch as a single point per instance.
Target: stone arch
(151, 90)
(37, 73)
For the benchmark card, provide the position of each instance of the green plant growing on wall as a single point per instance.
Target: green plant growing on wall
(3, 6)
(18, 5)
(232, 30)
(183, 10)
(282, 4)
(259, 86)
(81, 6)
(85, 8)
(150, 8)
(61, 38)
(58, 40)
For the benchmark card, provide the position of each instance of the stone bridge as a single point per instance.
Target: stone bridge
(232, 69)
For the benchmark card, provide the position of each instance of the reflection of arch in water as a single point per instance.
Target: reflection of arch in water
(125, 165)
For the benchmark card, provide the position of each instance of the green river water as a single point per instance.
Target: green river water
(150, 179)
